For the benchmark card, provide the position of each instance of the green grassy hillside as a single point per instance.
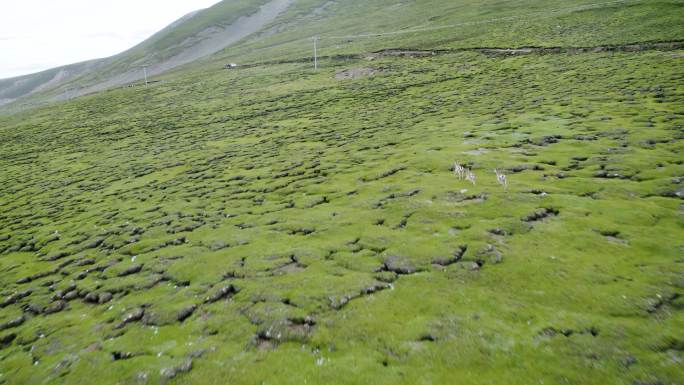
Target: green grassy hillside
(280, 225)
(354, 26)
(462, 24)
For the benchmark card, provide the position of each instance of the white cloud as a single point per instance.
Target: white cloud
(37, 35)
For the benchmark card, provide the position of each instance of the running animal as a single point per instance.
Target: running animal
(459, 171)
(470, 177)
(501, 178)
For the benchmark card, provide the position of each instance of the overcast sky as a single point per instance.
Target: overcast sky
(36, 35)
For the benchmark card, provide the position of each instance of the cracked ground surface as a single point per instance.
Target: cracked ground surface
(274, 225)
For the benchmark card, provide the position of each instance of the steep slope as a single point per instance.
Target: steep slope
(195, 35)
(280, 225)
(282, 30)
(358, 26)
(16, 88)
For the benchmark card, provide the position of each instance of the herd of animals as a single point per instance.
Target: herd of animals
(464, 173)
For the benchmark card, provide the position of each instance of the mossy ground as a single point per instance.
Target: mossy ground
(275, 225)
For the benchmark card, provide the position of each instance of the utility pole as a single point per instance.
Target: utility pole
(145, 72)
(315, 40)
